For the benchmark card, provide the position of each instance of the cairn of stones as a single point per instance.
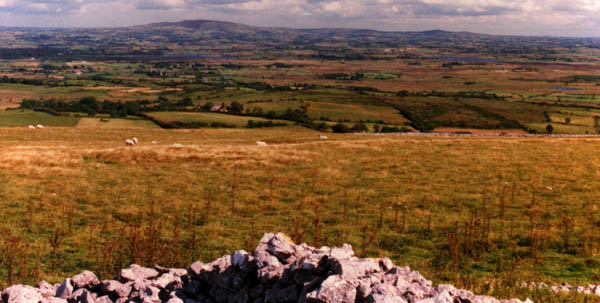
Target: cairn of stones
(277, 271)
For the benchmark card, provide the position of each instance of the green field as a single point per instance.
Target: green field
(20, 118)
(114, 123)
(186, 117)
(337, 111)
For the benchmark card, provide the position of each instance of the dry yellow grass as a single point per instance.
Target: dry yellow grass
(220, 192)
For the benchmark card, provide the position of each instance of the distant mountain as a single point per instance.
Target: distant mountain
(234, 39)
(354, 37)
(204, 25)
(223, 26)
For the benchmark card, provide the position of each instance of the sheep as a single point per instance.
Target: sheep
(31, 127)
(39, 126)
(261, 143)
(321, 137)
(131, 142)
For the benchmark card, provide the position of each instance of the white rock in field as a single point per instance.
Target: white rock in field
(31, 127)
(261, 143)
(321, 137)
(177, 145)
(39, 126)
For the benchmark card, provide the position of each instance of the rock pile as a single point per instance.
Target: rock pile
(564, 287)
(277, 271)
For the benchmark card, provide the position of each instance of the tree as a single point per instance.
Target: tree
(271, 114)
(207, 106)
(547, 117)
(322, 126)
(187, 101)
(341, 128)
(376, 128)
(359, 127)
(305, 107)
(567, 120)
(89, 105)
(549, 128)
(403, 93)
(236, 107)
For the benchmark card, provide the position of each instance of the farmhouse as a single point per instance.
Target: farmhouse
(219, 108)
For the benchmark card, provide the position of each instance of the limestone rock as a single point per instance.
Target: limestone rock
(65, 289)
(21, 294)
(136, 272)
(86, 279)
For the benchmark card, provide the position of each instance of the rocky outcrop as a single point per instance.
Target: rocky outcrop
(277, 271)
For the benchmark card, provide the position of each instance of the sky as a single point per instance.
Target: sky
(577, 18)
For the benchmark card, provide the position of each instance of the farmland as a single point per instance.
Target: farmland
(434, 94)
(483, 213)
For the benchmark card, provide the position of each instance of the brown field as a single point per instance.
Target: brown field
(480, 131)
(12, 98)
(29, 63)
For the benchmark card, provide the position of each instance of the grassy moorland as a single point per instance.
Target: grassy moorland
(482, 213)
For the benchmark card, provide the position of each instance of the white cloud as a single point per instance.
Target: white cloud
(548, 17)
(6, 3)
(161, 4)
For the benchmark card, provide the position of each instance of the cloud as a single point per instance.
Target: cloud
(539, 17)
(161, 4)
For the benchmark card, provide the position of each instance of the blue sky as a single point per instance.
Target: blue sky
(526, 17)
